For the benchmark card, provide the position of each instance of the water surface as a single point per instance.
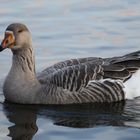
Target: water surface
(69, 29)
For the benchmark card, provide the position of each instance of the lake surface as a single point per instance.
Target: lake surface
(69, 29)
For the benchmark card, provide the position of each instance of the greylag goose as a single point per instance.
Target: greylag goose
(83, 80)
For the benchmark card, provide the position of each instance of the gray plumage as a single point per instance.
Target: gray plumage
(80, 80)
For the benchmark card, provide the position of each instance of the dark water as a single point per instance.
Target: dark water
(89, 121)
(68, 29)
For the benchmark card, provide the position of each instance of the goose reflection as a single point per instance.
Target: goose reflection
(24, 117)
(24, 121)
(86, 116)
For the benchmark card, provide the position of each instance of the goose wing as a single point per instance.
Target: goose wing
(76, 73)
(75, 77)
(52, 70)
(93, 79)
(82, 83)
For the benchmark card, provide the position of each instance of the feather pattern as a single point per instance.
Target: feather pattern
(92, 79)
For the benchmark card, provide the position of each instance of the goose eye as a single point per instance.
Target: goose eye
(19, 31)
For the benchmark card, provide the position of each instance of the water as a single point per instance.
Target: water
(68, 29)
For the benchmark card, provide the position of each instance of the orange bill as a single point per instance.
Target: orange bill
(8, 41)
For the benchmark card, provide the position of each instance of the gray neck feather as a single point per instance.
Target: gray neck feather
(24, 61)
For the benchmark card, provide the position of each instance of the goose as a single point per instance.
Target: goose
(75, 81)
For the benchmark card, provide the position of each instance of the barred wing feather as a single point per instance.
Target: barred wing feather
(91, 79)
(64, 64)
(75, 77)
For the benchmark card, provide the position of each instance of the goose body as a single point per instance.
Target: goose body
(83, 80)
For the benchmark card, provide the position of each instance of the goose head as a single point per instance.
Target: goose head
(17, 36)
